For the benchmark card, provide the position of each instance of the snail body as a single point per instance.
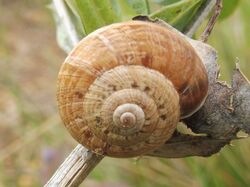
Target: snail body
(124, 87)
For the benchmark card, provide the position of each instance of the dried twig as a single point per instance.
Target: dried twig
(212, 21)
(75, 168)
(200, 17)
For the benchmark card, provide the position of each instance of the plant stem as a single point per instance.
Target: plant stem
(200, 17)
(212, 21)
(75, 168)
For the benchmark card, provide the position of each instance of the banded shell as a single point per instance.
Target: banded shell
(124, 87)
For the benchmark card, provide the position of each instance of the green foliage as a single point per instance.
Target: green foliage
(97, 13)
(171, 12)
(94, 14)
(182, 21)
(64, 32)
(178, 14)
(229, 6)
(140, 6)
(166, 2)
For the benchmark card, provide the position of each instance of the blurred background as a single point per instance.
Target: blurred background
(33, 141)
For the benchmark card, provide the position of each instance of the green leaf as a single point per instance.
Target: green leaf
(72, 5)
(178, 14)
(67, 35)
(140, 6)
(166, 2)
(75, 18)
(95, 13)
(182, 20)
(123, 9)
(229, 6)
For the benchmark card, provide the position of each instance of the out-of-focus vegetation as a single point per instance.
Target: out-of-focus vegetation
(33, 142)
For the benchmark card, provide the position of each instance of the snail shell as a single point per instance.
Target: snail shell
(124, 87)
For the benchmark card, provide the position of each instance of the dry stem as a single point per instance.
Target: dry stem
(212, 21)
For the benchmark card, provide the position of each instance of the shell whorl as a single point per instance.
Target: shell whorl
(143, 96)
(123, 88)
(129, 116)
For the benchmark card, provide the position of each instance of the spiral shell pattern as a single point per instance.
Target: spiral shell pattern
(117, 91)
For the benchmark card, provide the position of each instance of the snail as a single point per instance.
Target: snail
(123, 89)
